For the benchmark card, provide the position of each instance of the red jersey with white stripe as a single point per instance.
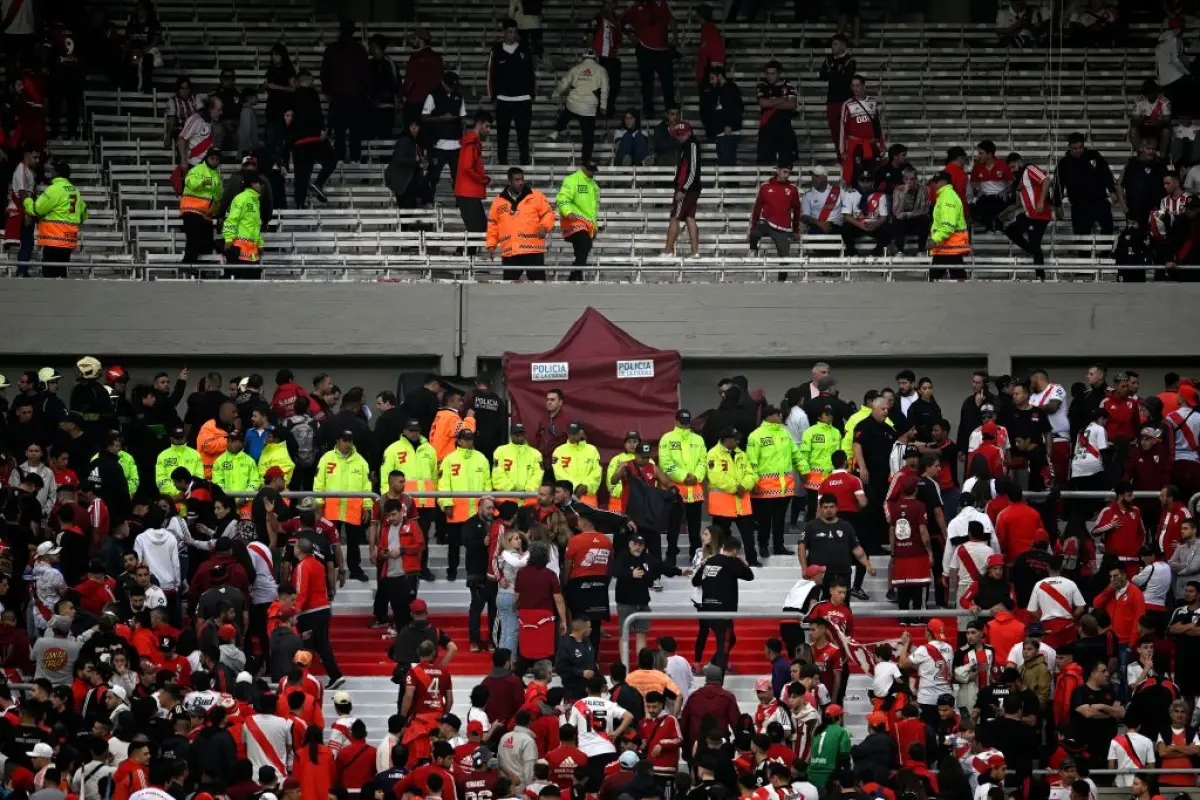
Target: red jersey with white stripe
(1169, 523)
(844, 486)
(430, 684)
(1185, 422)
(993, 179)
(606, 35)
(98, 515)
(1032, 186)
(861, 119)
(197, 132)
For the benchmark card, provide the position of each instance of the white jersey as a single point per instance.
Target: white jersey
(1016, 655)
(886, 674)
(264, 589)
(933, 673)
(596, 718)
(150, 794)
(1185, 427)
(1044, 602)
(1091, 442)
(1064, 792)
(1058, 420)
(201, 701)
(1142, 750)
(339, 733)
(22, 184)
(268, 741)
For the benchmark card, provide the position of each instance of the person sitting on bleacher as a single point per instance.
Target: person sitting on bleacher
(865, 215)
(1150, 117)
(910, 211)
(630, 143)
(991, 183)
(820, 208)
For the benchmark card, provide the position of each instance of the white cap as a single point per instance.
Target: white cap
(48, 549)
(41, 750)
(819, 170)
(244, 677)
(119, 691)
(47, 374)
(341, 698)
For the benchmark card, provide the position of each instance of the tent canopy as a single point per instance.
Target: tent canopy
(613, 383)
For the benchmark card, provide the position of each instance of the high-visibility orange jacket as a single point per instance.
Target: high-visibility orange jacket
(211, 442)
(518, 226)
(446, 426)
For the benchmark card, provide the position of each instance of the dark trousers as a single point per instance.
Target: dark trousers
(770, 517)
(1087, 215)
(680, 513)
(307, 156)
(483, 593)
(777, 142)
(198, 237)
(587, 131)
(454, 544)
(355, 536)
(64, 89)
(55, 255)
(723, 632)
(314, 634)
(986, 210)
(513, 114)
(613, 67)
(649, 64)
(781, 239)
(258, 629)
(727, 147)
(439, 159)
(745, 529)
(938, 271)
(874, 531)
(910, 597)
(1027, 234)
(515, 265)
(347, 121)
(881, 236)
(412, 112)
(595, 771)
(911, 227)
(581, 243)
(473, 215)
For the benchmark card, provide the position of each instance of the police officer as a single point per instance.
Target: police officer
(873, 440)
(831, 542)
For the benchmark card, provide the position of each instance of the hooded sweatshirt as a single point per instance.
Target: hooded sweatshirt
(586, 88)
(471, 179)
(47, 495)
(158, 549)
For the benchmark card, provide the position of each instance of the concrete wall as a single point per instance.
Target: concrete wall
(367, 334)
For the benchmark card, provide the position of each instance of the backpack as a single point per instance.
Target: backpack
(304, 432)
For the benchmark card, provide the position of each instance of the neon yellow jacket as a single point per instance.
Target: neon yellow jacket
(771, 451)
(176, 455)
(275, 455)
(948, 217)
(344, 473)
(59, 202)
(579, 196)
(681, 451)
(817, 446)
(464, 471)
(417, 463)
(244, 219)
(578, 463)
(615, 488)
(729, 471)
(516, 468)
(129, 467)
(236, 473)
(202, 190)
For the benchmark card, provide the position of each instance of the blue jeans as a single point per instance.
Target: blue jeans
(506, 618)
(727, 147)
(26, 250)
(634, 147)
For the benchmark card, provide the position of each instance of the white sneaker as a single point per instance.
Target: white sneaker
(667, 254)
(553, 136)
(693, 256)
(658, 586)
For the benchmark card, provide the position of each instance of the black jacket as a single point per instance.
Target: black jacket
(636, 591)
(422, 405)
(718, 581)
(570, 661)
(730, 414)
(111, 487)
(722, 107)
(201, 407)
(474, 539)
(969, 419)
(213, 756)
(812, 409)
(403, 164)
(388, 428)
(491, 420)
(923, 414)
(364, 438)
(308, 120)
(1085, 180)
(444, 103)
(878, 752)
(91, 399)
(511, 74)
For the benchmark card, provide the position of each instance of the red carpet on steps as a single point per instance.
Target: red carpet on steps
(363, 651)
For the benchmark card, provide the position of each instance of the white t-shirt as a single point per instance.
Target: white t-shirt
(1141, 746)
(1064, 792)
(1092, 441)
(886, 674)
(596, 718)
(477, 715)
(854, 205)
(23, 22)
(933, 673)
(803, 790)
(1044, 607)
(1058, 420)
(22, 181)
(680, 671)
(150, 794)
(1017, 657)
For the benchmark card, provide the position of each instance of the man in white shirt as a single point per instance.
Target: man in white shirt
(446, 101)
(1130, 752)
(1087, 462)
(383, 752)
(1057, 602)
(1053, 398)
(966, 563)
(1035, 633)
(268, 738)
(821, 206)
(86, 780)
(19, 227)
(933, 663)
(865, 214)
(599, 722)
(678, 669)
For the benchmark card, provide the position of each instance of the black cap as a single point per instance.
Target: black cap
(574, 427)
(591, 166)
(644, 449)
(412, 425)
(465, 433)
(451, 720)
(166, 643)
(633, 435)
(235, 436)
(729, 433)
(450, 77)
(516, 428)
(911, 451)
(638, 537)
(346, 436)
(178, 432)
(683, 415)
(942, 176)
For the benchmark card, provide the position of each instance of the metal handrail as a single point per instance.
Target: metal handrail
(379, 498)
(699, 615)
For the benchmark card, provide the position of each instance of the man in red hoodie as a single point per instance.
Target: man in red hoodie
(290, 397)
(1018, 526)
(471, 180)
(134, 772)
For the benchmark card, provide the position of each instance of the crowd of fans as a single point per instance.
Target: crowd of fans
(167, 604)
(309, 123)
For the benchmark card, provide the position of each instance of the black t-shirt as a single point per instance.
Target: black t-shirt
(1029, 568)
(322, 549)
(206, 608)
(21, 741)
(1032, 423)
(258, 512)
(876, 440)
(929, 494)
(1096, 732)
(1090, 650)
(1187, 648)
(830, 544)
(718, 581)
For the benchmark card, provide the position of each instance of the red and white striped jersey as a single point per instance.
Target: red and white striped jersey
(197, 132)
(1185, 422)
(1173, 205)
(993, 179)
(1032, 185)
(606, 35)
(861, 119)
(1151, 110)
(1059, 422)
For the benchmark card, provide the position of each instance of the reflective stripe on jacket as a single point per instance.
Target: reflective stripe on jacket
(201, 191)
(949, 230)
(519, 226)
(60, 210)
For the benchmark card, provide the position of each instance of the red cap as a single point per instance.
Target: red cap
(833, 710)
(762, 685)
(937, 628)
(1189, 395)
(474, 726)
(22, 779)
(813, 571)
(418, 606)
(227, 633)
(909, 484)
(995, 760)
(876, 718)
(272, 473)
(202, 796)
(114, 374)
(681, 130)
(995, 560)
(988, 428)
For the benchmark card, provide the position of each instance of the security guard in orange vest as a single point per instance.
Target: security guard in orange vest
(59, 211)
(730, 479)
(518, 223)
(949, 241)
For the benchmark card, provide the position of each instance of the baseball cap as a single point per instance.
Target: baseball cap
(166, 643)
(481, 756)
(762, 684)
(305, 504)
(47, 374)
(814, 571)
(412, 425)
(235, 436)
(1152, 432)
(988, 429)
(833, 710)
(346, 436)
(302, 657)
(341, 698)
(178, 432)
(1189, 395)
(937, 628)
(1035, 629)
(681, 130)
(574, 427)
(628, 759)
(995, 560)
(683, 415)
(633, 435)
(450, 719)
(516, 427)
(274, 473)
(987, 408)
(877, 718)
(474, 726)
(911, 451)
(244, 677)
(465, 433)
(119, 691)
(418, 606)
(41, 750)
(644, 449)
(227, 633)
(48, 549)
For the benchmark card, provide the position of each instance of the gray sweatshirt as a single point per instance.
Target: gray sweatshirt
(1185, 564)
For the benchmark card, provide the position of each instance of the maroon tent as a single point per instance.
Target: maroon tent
(613, 384)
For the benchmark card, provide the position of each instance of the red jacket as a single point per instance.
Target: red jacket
(1148, 470)
(1017, 528)
(308, 579)
(1124, 611)
(129, 778)
(709, 699)
(203, 580)
(662, 732)
(93, 595)
(422, 75)
(506, 695)
(283, 402)
(777, 204)
(472, 178)
(545, 733)
(711, 50)
(355, 764)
